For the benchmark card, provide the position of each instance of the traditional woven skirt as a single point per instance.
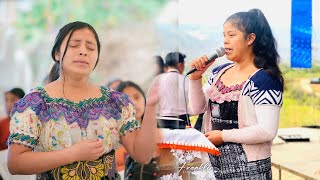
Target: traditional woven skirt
(233, 164)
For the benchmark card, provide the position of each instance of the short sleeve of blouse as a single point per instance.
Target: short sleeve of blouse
(25, 125)
(127, 121)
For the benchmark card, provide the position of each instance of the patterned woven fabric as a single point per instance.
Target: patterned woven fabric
(102, 168)
(233, 165)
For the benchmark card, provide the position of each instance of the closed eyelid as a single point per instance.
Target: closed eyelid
(91, 46)
(73, 44)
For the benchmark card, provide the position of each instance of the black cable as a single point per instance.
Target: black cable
(185, 100)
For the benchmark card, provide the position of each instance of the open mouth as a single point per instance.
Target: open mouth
(228, 50)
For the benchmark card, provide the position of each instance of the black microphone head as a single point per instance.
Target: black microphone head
(220, 52)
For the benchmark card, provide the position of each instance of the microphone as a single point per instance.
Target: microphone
(218, 53)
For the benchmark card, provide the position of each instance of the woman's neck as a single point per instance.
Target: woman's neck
(74, 82)
(245, 65)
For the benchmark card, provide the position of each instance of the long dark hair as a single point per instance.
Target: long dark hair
(160, 64)
(64, 31)
(265, 45)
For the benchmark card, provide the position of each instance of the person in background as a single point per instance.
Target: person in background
(113, 83)
(242, 99)
(165, 68)
(171, 88)
(137, 96)
(160, 64)
(134, 170)
(11, 97)
(71, 125)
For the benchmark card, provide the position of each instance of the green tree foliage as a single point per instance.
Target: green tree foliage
(300, 106)
(49, 15)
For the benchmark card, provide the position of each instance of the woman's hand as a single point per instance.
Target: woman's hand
(153, 96)
(215, 137)
(86, 150)
(200, 65)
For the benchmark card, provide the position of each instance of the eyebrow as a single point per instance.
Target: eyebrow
(229, 31)
(78, 40)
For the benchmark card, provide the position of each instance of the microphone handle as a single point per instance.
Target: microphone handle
(210, 59)
(191, 71)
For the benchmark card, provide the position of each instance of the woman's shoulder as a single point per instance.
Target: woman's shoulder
(264, 89)
(33, 94)
(215, 71)
(220, 67)
(34, 99)
(264, 81)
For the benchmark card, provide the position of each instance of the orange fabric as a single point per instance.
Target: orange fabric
(193, 148)
(4, 132)
(121, 155)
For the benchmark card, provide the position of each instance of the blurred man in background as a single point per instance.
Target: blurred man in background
(171, 88)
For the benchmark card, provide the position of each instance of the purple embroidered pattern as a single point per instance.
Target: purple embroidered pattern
(109, 105)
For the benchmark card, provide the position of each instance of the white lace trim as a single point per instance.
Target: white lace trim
(173, 176)
(183, 157)
(204, 175)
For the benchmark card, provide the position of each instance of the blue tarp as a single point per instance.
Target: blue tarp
(301, 33)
